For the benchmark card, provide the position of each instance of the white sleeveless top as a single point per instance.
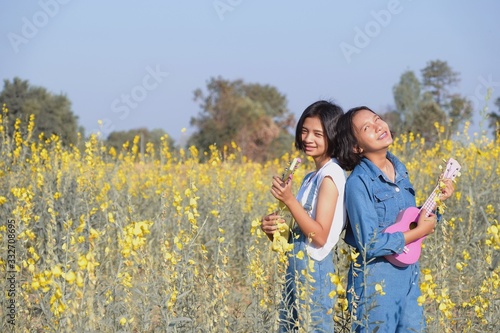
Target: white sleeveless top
(337, 174)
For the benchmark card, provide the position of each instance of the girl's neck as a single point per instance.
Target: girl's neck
(384, 164)
(378, 158)
(321, 161)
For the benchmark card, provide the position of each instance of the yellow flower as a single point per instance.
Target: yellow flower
(379, 289)
(82, 262)
(311, 266)
(56, 271)
(79, 280)
(300, 255)
(70, 277)
(334, 278)
(35, 285)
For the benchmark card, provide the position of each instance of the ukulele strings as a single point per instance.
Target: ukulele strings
(430, 203)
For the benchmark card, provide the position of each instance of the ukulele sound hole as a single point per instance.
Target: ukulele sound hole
(413, 225)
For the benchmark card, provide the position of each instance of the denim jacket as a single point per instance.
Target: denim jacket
(373, 203)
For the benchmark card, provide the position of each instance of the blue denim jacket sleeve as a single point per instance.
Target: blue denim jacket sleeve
(371, 209)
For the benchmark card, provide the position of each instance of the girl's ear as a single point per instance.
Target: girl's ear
(357, 149)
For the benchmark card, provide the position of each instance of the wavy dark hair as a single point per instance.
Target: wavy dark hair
(346, 141)
(328, 113)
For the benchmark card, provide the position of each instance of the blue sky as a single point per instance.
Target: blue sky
(136, 64)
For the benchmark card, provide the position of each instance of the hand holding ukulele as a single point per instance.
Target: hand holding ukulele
(416, 223)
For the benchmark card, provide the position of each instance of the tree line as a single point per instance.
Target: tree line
(255, 116)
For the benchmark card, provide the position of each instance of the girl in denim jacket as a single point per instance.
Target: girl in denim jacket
(319, 215)
(383, 297)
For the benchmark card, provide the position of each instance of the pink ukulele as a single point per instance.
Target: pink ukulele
(407, 220)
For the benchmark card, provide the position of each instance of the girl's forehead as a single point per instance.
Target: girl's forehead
(312, 119)
(363, 115)
(313, 122)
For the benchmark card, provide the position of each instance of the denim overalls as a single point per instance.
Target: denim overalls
(306, 297)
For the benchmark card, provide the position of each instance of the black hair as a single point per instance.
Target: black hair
(328, 113)
(346, 141)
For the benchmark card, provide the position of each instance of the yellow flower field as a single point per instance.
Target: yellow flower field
(98, 240)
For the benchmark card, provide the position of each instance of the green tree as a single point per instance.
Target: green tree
(254, 116)
(494, 118)
(53, 114)
(393, 118)
(430, 113)
(116, 139)
(438, 78)
(419, 104)
(407, 98)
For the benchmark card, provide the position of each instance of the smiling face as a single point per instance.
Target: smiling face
(313, 138)
(372, 133)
